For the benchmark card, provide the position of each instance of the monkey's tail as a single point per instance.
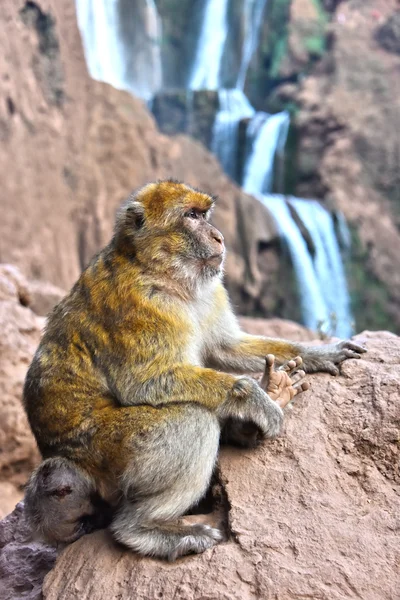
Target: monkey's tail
(61, 504)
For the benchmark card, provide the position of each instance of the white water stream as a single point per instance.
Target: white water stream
(253, 12)
(207, 65)
(131, 61)
(234, 107)
(268, 134)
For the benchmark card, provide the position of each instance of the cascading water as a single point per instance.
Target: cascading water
(207, 64)
(234, 107)
(98, 22)
(233, 104)
(314, 310)
(327, 263)
(122, 49)
(344, 234)
(267, 135)
(253, 11)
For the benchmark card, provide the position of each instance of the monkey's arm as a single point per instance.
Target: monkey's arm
(159, 384)
(227, 396)
(233, 350)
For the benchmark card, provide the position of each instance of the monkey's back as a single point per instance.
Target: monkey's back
(100, 333)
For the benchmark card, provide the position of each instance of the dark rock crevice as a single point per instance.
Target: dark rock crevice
(47, 65)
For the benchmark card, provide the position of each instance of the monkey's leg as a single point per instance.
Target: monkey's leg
(169, 472)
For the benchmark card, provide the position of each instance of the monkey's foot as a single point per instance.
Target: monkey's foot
(200, 538)
(284, 383)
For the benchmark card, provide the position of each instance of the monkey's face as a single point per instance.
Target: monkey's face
(203, 249)
(168, 224)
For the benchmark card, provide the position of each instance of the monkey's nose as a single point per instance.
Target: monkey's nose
(218, 237)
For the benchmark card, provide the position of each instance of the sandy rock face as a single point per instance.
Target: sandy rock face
(20, 334)
(313, 514)
(279, 328)
(21, 301)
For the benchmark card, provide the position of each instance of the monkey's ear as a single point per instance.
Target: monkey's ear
(134, 215)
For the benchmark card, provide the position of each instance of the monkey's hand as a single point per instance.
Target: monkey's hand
(327, 358)
(282, 384)
(264, 414)
(248, 403)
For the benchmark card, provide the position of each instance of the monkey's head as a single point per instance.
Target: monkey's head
(166, 226)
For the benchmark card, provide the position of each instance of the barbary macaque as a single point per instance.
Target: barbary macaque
(141, 367)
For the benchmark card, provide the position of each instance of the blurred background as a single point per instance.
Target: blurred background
(288, 110)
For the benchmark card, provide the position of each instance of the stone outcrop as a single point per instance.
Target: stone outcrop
(21, 301)
(24, 561)
(20, 334)
(311, 514)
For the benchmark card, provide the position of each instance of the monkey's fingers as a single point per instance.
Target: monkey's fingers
(269, 369)
(299, 383)
(292, 391)
(297, 376)
(301, 386)
(292, 365)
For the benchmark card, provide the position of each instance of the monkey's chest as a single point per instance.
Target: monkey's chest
(200, 336)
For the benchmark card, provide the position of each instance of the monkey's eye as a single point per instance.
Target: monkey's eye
(193, 214)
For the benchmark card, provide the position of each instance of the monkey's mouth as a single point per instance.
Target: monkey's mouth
(215, 259)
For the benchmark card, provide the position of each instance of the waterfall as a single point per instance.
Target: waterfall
(207, 64)
(233, 104)
(234, 107)
(253, 11)
(98, 22)
(267, 134)
(315, 312)
(327, 262)
(321, 281)
(122, 43)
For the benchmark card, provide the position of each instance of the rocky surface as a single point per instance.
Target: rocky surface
(23, 561)
(21, 301)
(277, 328)
(312, 514)
(20, 334)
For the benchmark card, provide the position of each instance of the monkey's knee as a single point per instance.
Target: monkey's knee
(59, 501)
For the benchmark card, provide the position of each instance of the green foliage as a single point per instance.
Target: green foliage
(315, 45)
(370, 298)
(278, 55)
(276, 43)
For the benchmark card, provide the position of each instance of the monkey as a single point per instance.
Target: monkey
(139, 370)
(61, 503)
